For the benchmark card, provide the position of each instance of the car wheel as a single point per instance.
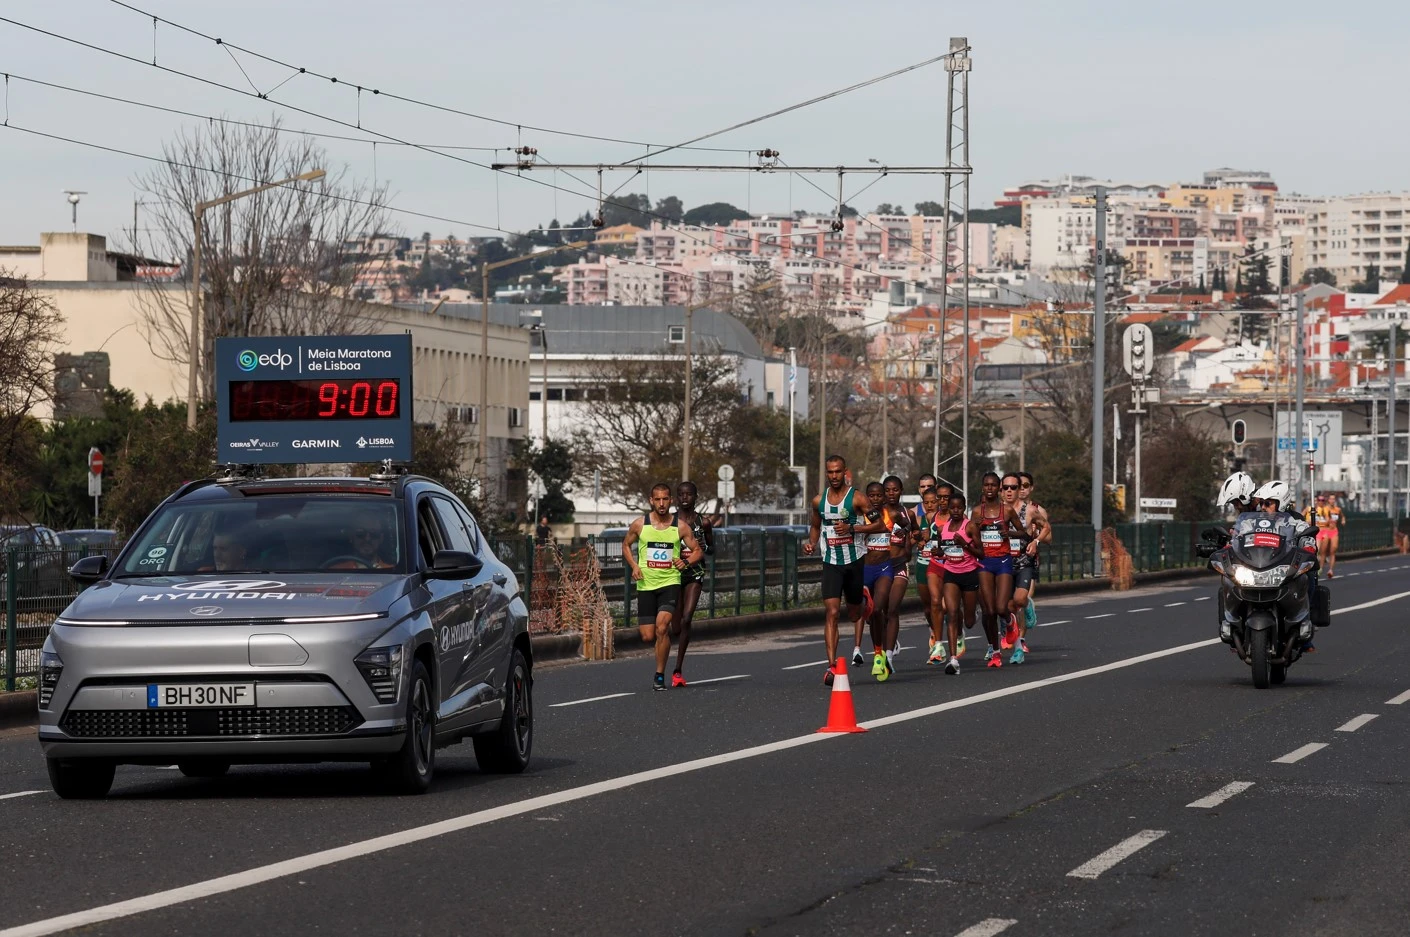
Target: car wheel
(506, 748)
(81, 779)
(410, 770)
(203, 768)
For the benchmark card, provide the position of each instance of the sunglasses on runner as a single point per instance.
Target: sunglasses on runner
(1009, 487)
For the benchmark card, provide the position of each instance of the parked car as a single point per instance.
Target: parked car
(38, 561)
(74, 539)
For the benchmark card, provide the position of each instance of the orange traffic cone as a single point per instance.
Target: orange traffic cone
(841, 717)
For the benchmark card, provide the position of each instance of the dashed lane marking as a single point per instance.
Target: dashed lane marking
(1357, 723)
(1203, 598)
(1224, 793)
(811, 663)
(1397, 700)
(19, 794)
(1173, 604)
(1118, 853)
(737, 676)
(988, 927)
(1146, 609)
(1103, 615)
(590, 699)
(1049, 624)
(1297, 754)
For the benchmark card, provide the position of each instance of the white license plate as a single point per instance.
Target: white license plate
(199, 695)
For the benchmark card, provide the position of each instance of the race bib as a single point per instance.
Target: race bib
(927, 550)
(834, 539)
(990, 536)
(1015, 546)
(954, 552)
(878, 541)
(660, 555)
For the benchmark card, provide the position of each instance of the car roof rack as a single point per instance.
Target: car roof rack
(390, 471)
(238, 472)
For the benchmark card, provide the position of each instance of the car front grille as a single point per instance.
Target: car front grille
(232, 722)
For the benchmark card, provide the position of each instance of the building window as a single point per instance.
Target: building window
(675, 334)
(534, 395)
(771, 399)
(555, 393)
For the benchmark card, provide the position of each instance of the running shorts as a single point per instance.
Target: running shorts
(653, 602)
(694, 573)
(968, 582)
(903, 571)
(843, 581)
(1326, 533)
(871, 572)
(997, 565)
(1024, 576)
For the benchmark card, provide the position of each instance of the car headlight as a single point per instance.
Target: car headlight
(1261, 578)
(51, 668)
(381, 668)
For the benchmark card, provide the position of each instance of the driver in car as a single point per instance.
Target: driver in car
(364, 548)
(228, 551)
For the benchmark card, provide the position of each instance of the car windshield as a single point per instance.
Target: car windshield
(17, 537)
(270, 533)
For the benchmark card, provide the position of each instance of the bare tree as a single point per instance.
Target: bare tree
(29, 328)
(283, 262)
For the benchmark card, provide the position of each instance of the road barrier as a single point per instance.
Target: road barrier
(34, 589)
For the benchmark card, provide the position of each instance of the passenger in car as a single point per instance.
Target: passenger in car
(228, 550)
(364, 550)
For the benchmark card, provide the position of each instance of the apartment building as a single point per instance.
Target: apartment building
(1348, 235)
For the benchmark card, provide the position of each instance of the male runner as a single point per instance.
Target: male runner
(692, 577)
(656, 566)
(921, 516)
(997, 522)
(834, 513)
(878, 574)
(1023, 547)
(1034, 513)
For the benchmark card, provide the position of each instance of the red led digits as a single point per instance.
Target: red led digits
(387, 398)
(315, 400)
(328, 395)
(359, 399)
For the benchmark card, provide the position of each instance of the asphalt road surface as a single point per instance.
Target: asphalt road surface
(1127, 779)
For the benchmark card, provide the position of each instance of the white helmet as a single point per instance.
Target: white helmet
(1275, 490)
(1237, 487)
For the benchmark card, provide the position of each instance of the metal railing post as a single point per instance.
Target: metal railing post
(11, 636)
(763, 568)
(783, 583)
(713, 586)
(738, 571)
(529, 557)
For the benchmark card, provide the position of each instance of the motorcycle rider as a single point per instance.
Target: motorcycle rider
(1276, 498)
(1237, 493)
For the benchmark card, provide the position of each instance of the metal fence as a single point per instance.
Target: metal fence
(34, 588)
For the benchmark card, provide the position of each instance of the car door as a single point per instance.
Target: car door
(494, 623)
(463, 660)
(441, 600)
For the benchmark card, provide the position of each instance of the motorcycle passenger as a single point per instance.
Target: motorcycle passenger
(1276, 498)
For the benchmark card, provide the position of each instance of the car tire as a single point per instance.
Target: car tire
(411, 769)
(81, 778)
(506, 748)
(203, 768)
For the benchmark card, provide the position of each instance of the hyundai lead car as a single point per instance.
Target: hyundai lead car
(290, 620)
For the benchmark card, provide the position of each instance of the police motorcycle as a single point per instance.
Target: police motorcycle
(1266, 564)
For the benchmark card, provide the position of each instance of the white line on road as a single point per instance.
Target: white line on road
(811, 663)
(1103, 615)
(1221, 795)
(1397, 700)
(1146, 609)
(1122, 850)
(1173, 604)
(988, 927)
(1203, 598)
(1297, 754)
(738, 676)
(19, 794)
(1349, 575)
(1371, 604)
(1049, 624)
(1357, 723)
(590, 699)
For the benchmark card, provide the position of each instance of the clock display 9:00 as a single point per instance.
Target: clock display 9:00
(328, 399)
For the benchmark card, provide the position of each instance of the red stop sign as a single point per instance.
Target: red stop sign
(95, 461)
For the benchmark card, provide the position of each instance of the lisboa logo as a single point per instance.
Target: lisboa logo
(248, 361)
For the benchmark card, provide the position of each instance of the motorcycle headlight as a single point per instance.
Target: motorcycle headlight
(1261, 578)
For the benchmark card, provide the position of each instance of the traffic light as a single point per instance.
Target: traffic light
(1137, 341)
(1240, 430)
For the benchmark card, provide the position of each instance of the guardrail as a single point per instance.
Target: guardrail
(34, 588)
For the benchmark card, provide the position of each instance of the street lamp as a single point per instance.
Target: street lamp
(197, 214)
(822, 396)
(538, 328)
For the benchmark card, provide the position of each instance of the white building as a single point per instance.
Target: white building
(1350, 234)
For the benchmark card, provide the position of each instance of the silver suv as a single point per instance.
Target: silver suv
(290, 620)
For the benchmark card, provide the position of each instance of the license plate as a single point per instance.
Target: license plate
(199, 695)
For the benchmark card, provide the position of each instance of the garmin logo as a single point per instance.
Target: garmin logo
(317, 444)
(248, 360)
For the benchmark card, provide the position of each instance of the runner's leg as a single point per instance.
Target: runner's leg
(1003, 594)
(895, 597)
(987, 600)
(663, 639)
(685, 615)
(833, 611)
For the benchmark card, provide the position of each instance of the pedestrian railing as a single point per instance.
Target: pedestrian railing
(34, 588)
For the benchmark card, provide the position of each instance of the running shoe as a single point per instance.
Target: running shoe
(953, 666)
(989, 653)
(878, 666)
(827, 677)
(1309, 648)
(1017, 656)
(1030, 615)
(1023, 644)
(996, 661)
(943, 650)
(1010, 633)
(857, 658)
(959, 646)
(938, 653)
(677, 680)
(887, 669)
(659, 683)
(930, 654)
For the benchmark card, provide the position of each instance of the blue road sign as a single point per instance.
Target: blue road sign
(1286, 443)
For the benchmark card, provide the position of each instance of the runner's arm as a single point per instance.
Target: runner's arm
(628, 542)
(688, 538)
(971, 545)
(814, 530)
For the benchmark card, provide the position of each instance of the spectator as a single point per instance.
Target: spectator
(543, 533)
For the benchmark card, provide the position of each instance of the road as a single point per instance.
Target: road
(1127, 779)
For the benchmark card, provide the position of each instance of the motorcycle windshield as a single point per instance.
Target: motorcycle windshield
(1262, 541)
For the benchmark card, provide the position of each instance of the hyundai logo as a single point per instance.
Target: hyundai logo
(229, 585)
(207, 611)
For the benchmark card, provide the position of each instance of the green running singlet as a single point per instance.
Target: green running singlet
(655, 550)
(839, 549)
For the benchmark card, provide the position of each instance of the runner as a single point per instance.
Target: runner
(1023, 547)
(901, 524)
(954, 573)
(833, 516)
(656, 566)
(926, 539)
(1326, 518)
(877, 577)
(996, 522)
(1033, 513)
(692, 577)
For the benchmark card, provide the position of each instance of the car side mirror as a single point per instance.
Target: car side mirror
(454, 564)
(89, 569)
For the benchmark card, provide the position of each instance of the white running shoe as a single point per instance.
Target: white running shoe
(953, 666)
(857, 658)
(988, 653)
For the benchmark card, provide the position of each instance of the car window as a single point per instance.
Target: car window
(456, 536)
(429, 536)
(271, 533)
(471, 527)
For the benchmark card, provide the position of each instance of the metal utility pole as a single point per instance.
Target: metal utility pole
(1300, 352)
(792, 396)
(685, 425)
(1098, 377)
(1390, 428)
(958, 65)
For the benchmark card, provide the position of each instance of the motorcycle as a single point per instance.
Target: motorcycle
(1269, 608)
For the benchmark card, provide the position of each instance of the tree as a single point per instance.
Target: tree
(1372, 283)
(553, 464)
(283, 262)
(157, 455)
(715, 213)
(847, 211)
(1178, 461)
(761, 306)
(932, 209)
(29, 327)
(670, 209)
(1253, 270)
(1318, 275)
(886, 208)
(633, 208)
(1062, 470)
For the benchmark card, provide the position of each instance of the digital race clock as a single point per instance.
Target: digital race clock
(328, 399)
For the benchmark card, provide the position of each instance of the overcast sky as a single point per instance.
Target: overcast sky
(1313, 92)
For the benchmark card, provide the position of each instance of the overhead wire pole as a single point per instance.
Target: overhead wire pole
(961, 65)
(1098, 376)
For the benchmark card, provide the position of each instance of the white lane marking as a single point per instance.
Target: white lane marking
(1173, 604)
(327, 857)
(1049, 624)
(1371, 604)
(590, 699)
(738, 676)
(1356, 723)
(811, 663)
(1297, 754)
(1397, 700)
(19, 794)
(1203, 598)
(988, 927)
(1123, 850)
(1349, 575)
(1103, 615)
(1146, 609)
(1221, 795)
